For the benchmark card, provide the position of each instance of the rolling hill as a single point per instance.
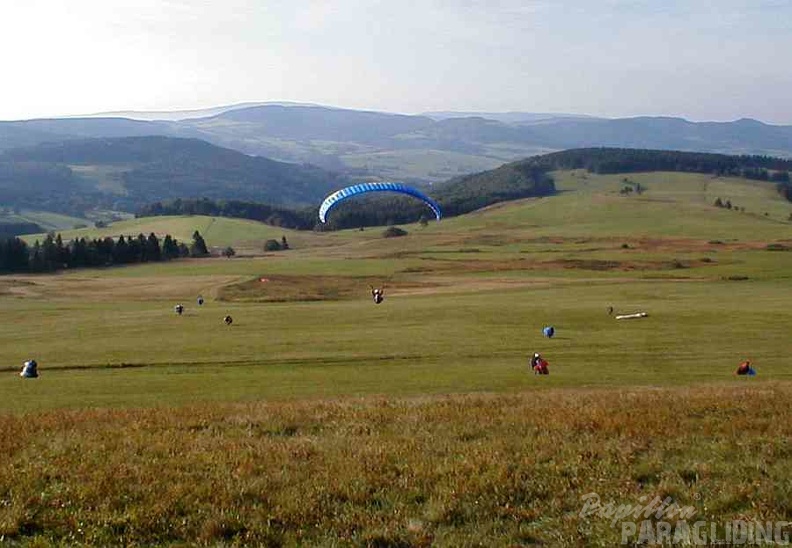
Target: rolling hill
(127, 172)
(165, 176)
(585, 206)
(530, 177)
(413, 148)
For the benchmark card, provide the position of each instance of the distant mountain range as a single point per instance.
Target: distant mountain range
(293, 154)
(432, 147)
(176, 115)
(507, 117)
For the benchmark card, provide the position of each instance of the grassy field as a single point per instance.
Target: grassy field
(45, 219)
(246, 236)
(472, 470)
(319, 418)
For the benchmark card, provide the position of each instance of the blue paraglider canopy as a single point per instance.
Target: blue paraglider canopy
(363, 188)
(548, 331)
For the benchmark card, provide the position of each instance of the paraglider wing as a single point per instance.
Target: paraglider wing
(362, 188)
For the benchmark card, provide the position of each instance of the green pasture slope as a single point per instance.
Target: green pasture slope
(466, 300)
(217, 231)
(45, 219)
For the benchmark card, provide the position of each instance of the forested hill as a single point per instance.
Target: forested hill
(127, 173)
(511, 181)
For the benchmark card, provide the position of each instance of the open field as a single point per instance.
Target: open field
(320, 418)
(219, 232)
(45, 219)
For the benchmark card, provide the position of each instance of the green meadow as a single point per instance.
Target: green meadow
(320, 418)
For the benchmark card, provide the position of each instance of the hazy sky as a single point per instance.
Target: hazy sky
(698, 59)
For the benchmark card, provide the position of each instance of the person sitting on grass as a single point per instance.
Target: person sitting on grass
(745, 369)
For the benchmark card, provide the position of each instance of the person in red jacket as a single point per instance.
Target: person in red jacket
(745, 369)
(539, 365)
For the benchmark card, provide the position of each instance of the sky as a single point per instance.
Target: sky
(701, 60)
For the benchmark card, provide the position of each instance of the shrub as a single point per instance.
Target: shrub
(272, 245)
(393, 232)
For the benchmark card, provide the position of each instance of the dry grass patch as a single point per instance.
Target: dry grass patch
(97, 287)
(283, 288)
(442, 471)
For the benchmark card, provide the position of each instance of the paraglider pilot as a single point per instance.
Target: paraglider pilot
(745, 369)
(539, 365)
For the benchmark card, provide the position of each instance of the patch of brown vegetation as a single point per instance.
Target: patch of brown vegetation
(624, 266)
(437, 265)
(283, 288)
(684, 245)
(103, 288)
(15, 286)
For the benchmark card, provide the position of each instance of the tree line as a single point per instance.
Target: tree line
(606, 160)
(20, 227)
(265, 213)
(53, 254)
